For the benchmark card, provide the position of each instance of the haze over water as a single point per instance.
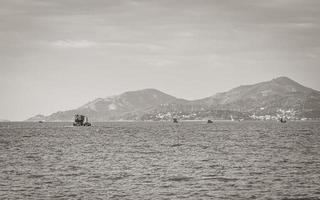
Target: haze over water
(158, 160)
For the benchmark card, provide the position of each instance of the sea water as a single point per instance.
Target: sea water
(160, 160)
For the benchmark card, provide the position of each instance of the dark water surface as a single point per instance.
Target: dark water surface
(224, 160)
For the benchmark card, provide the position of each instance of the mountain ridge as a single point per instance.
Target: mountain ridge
(264, 98)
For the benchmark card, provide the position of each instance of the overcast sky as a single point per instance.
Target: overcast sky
(59, 54)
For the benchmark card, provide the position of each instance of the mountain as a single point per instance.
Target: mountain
(4, 120)
(126, 106)
(132, 101)
(281, 87)
(266, 98)
(280, 96)
(37, 118)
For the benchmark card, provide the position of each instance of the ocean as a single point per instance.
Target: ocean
(160, 160)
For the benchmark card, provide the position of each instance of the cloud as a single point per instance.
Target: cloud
(74, 43)
(142, 45)
(159, 62)
(186, 34)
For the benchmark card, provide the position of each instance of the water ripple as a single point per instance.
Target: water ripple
(247, 160)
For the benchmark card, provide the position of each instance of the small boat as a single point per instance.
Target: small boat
(81, 120)
(209, 121)
(175, 120)
(282, 120)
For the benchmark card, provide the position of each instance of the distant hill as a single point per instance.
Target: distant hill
(265, 98)
(126, 106)
(37, 118)
(4, 120)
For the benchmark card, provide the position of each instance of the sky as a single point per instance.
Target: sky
(57, 55)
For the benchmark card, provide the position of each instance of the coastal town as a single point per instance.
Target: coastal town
(289, 114)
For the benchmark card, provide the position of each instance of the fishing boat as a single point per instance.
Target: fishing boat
(282, 120)
(81, 120)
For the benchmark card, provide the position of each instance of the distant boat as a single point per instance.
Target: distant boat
(81, 120)
(175, 120)
(282, 120)
(231, 118)
(209, 121)
(41, 121)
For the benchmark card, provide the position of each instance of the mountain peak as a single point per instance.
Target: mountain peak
(150, 90)
(285, 80)
(290, 85)
(280, 87)
(143, 91)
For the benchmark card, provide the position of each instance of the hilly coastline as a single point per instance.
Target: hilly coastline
(265, 100)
